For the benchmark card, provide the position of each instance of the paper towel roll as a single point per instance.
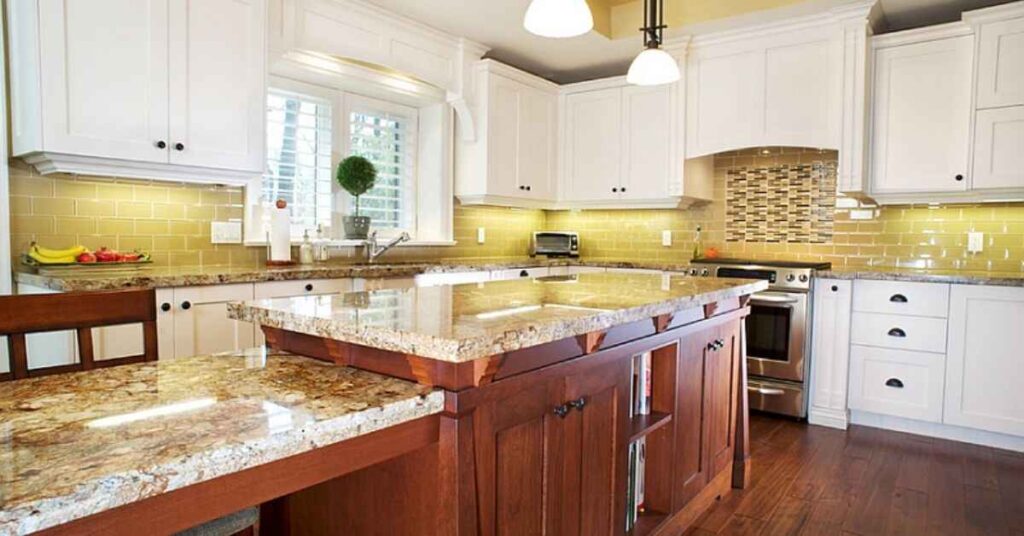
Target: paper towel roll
(280, 234)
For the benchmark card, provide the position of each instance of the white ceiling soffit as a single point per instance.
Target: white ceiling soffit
(499, 25)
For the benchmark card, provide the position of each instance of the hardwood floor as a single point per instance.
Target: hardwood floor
(811, 480)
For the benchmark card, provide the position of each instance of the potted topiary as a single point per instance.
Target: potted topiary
(357, 176)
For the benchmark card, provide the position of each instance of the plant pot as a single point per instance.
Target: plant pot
(357, 227)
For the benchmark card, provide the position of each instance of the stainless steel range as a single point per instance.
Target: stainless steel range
(778, 329)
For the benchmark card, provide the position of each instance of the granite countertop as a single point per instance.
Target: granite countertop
(73, 445)
(458, 323)
(959, 277)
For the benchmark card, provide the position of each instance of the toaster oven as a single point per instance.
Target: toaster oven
(555, 244)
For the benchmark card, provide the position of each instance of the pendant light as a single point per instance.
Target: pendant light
(653, 66)
(558, 18)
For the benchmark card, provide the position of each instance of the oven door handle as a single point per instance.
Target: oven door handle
(765, 390)
(769, 299)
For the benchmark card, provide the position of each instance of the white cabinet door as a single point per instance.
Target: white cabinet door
(537, 149)
(218, 81)
(985, 367)
(503, 114)
(921, 116)
(104, 73)
(999, 148)
(649, 159)
(1001, 63)
(723, 97)
(830, 352)
(201, 323)
(593, 145)
(802, 88)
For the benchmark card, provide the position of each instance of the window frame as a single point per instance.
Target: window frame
(353, 103)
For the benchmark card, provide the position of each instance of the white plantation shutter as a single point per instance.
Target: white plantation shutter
(299, 166)
(385, 134)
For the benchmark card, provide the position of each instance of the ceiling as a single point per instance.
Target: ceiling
(608, 50)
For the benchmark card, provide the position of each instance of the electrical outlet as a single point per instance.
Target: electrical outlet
(666, 238)
(481, 235)
(975, 242)
(226, 232)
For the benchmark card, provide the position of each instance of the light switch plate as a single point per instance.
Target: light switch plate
(481, 235)
(666, 238)
(975, 242)
(226, 232)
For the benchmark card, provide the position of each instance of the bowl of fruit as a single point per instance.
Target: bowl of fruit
(81, 256)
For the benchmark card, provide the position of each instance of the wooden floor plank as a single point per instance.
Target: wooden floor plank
(865, 482)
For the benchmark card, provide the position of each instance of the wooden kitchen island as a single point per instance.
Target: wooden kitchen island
(536, 425)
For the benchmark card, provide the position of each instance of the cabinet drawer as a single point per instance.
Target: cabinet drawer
(897, 382)
(902, 298)
(899, 332)
(288, 289)
(516, 273)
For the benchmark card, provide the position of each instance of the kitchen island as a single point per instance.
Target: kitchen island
(538, 376)
(162, 446)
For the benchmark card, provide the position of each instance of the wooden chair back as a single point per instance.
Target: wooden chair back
(78, 311)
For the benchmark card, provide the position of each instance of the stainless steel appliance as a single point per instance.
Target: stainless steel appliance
(555, 244)
(778, 329)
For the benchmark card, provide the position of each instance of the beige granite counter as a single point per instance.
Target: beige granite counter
(73, 445)
(458, 323)
(959, 277)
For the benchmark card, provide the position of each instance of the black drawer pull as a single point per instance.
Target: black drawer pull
(894, 382)
(898, 298)
(562, 410)
(897, 332)
(579, 403)
(524, 273)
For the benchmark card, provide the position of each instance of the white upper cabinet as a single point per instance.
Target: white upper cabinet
(163, 89)
(783, 88)
(513, 160)
(1001, 63)
(622, 148)
(999, 149)
(921, 115)
(218, 76)
(593, 145)
(102, 89)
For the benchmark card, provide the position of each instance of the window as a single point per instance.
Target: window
(385, 134)
(299, 168)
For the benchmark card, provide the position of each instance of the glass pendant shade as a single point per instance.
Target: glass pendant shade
(653, 67)
(558, 18)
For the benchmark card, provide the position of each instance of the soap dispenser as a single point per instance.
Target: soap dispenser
(306, 249)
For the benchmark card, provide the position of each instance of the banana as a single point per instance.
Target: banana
(37, 250)
(50, 260)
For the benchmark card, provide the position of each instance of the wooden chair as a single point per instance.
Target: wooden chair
(78, 311)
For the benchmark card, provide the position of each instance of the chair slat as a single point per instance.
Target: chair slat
(85, 357)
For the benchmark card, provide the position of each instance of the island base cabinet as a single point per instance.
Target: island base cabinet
(546, 457)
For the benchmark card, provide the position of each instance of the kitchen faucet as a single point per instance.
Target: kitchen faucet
(373, 250)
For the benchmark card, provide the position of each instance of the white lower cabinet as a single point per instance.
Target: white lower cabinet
(201, 323)
(985, 370)
(900, 383)
(830, 351)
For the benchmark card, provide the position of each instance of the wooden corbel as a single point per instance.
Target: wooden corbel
(590, 342)
(661, 322)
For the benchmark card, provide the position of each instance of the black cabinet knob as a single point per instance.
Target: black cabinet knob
(161, 144)
(524, 273)
(894, 382)
(616, 190)
(897, 332)
(959, 178)
(186, 305)
(623, 189)
(898, 298)
(712, 347)
(165, 307)
(562, 410)
(835, 288)
(179, 146)
(529, 188)
(309, 287)
(522, 187)
(578, 404)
